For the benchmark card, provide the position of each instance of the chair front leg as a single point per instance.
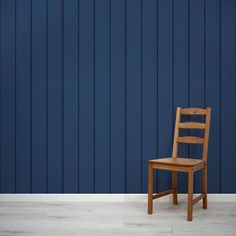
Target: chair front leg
(190, 195)
(174, 187)
(150, 189)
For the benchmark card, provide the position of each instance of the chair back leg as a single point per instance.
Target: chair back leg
(204, 186)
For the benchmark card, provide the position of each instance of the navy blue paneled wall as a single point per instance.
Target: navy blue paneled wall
(89, 90)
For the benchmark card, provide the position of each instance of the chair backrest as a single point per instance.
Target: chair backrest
(192, 125)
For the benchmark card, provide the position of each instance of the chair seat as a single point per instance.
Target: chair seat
(177, 161)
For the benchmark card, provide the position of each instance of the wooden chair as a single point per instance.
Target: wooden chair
(176, 164)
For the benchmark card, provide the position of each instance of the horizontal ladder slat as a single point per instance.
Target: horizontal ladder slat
(198, 198)
(193, 111)
(190, 139)
(192, 125)
(162, 194)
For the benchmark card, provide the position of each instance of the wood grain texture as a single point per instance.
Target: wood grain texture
(150, 189)
(190, 139)
(192, 125)
(130, 219)
(198, 198)
(190, 196)
(177, 161)
(204, 186)
(176, 164)
(193, 111)
(176, 133)
(162, 194)
(175, 187)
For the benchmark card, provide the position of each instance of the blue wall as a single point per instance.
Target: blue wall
(89, 90)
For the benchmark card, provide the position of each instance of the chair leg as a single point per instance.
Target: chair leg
(204, 186)
(190, 195)
(174, 186)
(150, 189)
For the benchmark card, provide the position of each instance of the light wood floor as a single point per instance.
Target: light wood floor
(114, 218)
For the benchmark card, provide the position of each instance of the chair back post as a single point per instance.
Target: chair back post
(206, 135)
(192, 125)
(176, 134)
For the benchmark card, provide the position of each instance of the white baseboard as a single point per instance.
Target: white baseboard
(103, 198)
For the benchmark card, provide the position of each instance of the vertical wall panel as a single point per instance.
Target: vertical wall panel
(89, 90)
(196, 53)
(118, 96)
(165, 77)
(133, 106)
(86, 96)
(102, 96)
(23, 96)
(7, 91)
(181, 71)
(197, 74)
(54, 127)
(70, 96)
(149, 87)
(228, 98)
(39, 96)
(212, 73)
